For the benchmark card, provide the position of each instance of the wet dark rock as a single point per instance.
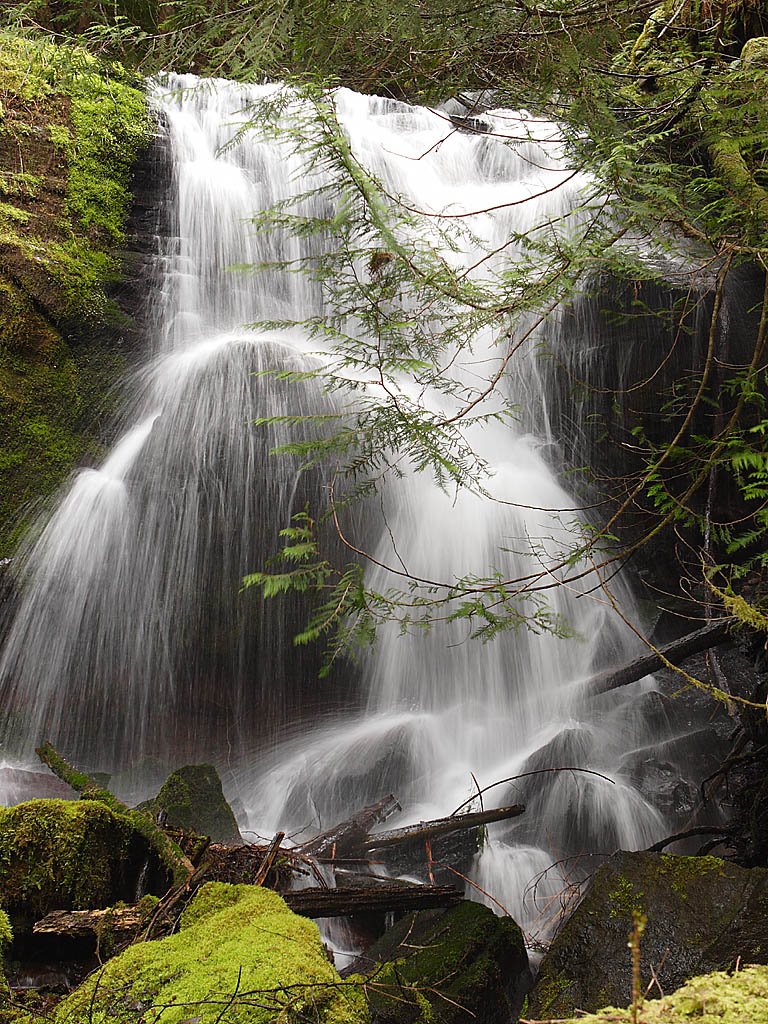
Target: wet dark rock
(452, 967)
(18, 785)
(661, 783)
(703, 914)
(192, 798)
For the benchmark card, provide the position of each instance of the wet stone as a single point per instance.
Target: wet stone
(703, 914)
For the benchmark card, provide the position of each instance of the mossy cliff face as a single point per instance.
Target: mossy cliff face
(67, 854)
(241, 957)
(718, 998)
(703, 914)
(70, 130)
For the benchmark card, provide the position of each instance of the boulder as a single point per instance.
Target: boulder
(718, 998)
(456, 966)
(70, 855)
(703, 914)
(19, 784)
(191, 798)
(240, 956)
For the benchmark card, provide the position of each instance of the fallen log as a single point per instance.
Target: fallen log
(346, 879)
(440, 827)
(315, 902)
(342, 902)
(347, 838)
(702, 640)
(82, 924)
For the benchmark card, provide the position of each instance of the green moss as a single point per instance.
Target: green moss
(167, 852)
(755, 52)
(20, 184)
(6, 932)
(72, 127)
(719, 998)
(13, 213)
(6, 938)
(680, 872)
(241, 956)
(99, 121)
(623, 899)
(192, 798)
(62, 854)
(551, 992)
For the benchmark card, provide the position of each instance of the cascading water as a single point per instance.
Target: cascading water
(132, 642)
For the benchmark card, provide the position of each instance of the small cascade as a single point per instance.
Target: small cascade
(133, 648)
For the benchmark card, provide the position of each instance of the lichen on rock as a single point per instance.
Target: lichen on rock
(703, 914)
(240, 956)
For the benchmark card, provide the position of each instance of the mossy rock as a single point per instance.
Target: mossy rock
(717, 998)
(703, 914)
(241, 957)
(457, 966)
(68, 855)
(192, 798)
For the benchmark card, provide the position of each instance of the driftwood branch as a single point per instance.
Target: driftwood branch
(677, 651)
(700, 830)
(440, 827)
(348, 837)
(269, 859)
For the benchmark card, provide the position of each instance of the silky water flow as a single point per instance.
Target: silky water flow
(132, 644)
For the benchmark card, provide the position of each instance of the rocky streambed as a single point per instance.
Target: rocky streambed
(163, 913)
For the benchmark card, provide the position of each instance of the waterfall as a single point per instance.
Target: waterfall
(133, 648)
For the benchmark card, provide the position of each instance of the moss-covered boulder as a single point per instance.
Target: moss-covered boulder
(192, 798)
(71, 128)
(241, 957)
(717, 998)
(457, 966)
(703, 914)
(6, 936)
(69, 855)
